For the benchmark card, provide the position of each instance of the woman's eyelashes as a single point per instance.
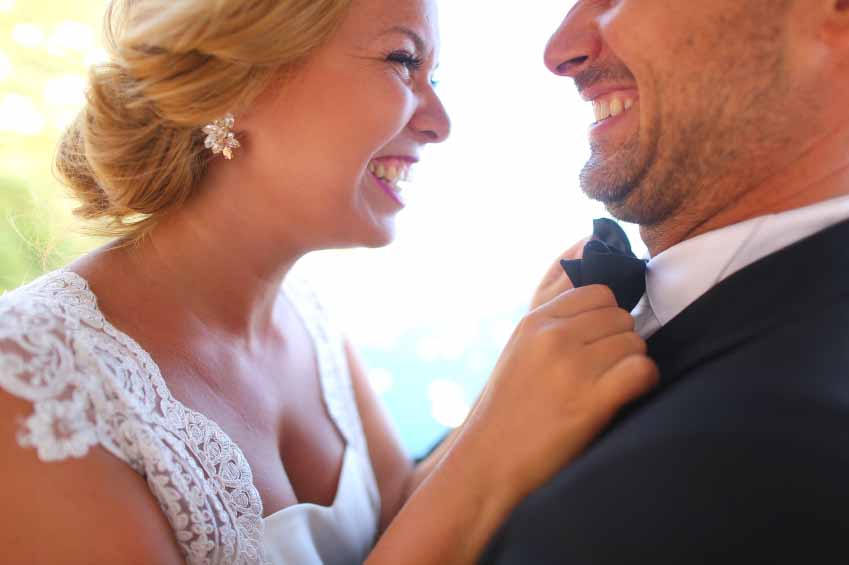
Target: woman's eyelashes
(407, 62)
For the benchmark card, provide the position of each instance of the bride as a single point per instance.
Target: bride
(176, 396)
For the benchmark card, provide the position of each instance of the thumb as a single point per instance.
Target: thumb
(573, 253)
(555, 272)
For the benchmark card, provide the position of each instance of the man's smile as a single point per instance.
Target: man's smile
(613, 104)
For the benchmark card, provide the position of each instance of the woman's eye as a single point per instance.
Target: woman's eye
(434, 78)
(407, 60)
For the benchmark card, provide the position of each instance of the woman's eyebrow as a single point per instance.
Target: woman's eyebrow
(414, 37)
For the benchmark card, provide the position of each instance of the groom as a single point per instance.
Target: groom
(723, 130)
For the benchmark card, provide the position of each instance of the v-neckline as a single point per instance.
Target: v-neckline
(154, 374)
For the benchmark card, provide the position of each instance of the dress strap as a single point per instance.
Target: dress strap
(336, 382)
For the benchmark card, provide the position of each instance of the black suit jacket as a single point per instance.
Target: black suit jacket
(742, 453)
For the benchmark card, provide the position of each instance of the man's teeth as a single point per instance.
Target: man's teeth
(610, 107)
(392, 174)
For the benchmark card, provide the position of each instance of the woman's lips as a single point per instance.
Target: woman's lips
(388, 172)
(390, 190)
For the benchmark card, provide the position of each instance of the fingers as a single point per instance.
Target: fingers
(579, 300)
(560, 284)
(555, 280)
(605, 354)
(627, 380)
(574, 252)
(600, 324)
(553, 275)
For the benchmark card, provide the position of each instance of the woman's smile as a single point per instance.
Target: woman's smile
(389, 172)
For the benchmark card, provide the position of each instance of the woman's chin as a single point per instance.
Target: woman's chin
(375, 236)
(379, 239)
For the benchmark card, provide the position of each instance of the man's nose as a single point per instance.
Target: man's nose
(576, 44)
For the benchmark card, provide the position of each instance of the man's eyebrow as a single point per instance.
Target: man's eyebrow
(414, 37)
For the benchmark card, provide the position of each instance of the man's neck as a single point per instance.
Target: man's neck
(818, 174)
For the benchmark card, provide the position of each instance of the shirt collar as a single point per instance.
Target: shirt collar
(684, 272)
(680, 275)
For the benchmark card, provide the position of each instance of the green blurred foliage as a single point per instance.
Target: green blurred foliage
(46, 47)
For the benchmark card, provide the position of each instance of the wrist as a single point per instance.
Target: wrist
(475, 456)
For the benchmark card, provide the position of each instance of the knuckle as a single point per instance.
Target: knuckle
(606, 315)
(531, 321)
(636, 343)
(644, 366)
(624, 319)
(604, 294)
(595, 295)
(556, 334)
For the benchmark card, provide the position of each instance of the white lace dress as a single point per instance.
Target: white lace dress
(92, 385)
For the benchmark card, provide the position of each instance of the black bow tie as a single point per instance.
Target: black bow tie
(608, 260)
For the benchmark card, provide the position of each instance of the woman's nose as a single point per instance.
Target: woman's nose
(576, 44)
(431, 122)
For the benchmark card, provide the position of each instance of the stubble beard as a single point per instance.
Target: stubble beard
(617, 178)
(693, 161)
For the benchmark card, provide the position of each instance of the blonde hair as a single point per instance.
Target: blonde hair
(136, 151)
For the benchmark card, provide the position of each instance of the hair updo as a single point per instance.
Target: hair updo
(136, 149)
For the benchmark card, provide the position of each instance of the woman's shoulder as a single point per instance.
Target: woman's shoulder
(47, 331)
(56, 303)
(46, 318)
(86, 385)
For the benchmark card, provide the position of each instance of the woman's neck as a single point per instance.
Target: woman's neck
(205, 266)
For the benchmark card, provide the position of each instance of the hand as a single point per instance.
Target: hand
(555, 281)
(568, 368)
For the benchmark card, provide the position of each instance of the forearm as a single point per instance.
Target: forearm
(423, 470)
(456, 510)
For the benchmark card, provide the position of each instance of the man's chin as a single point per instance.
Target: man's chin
(641, 206)
(606, 190)
(619, 184)
(625, 212)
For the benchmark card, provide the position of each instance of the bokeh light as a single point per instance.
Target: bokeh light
(20, 115)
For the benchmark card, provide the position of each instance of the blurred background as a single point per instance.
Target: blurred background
(488, 213)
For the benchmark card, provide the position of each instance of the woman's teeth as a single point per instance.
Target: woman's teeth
(611, 106)
(392, 173)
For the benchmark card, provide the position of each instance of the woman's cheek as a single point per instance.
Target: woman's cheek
(393, 113)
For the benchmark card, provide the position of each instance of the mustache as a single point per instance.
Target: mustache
(594, 75)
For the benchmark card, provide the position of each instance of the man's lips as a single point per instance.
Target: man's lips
(598, 90)
(613, 104)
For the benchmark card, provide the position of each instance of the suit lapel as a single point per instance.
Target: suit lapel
(805, 276)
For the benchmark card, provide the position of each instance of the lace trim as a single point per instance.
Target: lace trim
(91, 384)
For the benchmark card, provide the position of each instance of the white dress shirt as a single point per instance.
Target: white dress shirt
(680, 275)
